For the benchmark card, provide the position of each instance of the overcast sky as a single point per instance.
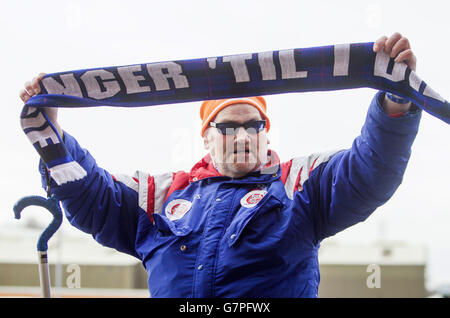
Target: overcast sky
(54, 36)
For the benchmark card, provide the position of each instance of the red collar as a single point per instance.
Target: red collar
(205, 167)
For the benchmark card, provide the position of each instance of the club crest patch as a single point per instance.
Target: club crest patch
(175, 209)
(252, 198)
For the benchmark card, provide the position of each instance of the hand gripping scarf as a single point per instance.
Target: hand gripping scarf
(334, 67)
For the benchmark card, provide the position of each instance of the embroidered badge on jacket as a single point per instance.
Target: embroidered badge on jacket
(252, 198)
(175, 209)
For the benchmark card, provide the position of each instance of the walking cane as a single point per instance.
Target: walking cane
(51, 204)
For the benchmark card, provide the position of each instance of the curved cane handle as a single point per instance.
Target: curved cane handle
(52, 205)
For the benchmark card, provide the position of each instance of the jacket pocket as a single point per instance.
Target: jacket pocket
(269, 204)
(167, 227)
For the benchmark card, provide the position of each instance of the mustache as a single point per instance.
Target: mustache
(243, 148)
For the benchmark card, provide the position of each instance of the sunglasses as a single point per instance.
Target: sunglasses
(252, 127)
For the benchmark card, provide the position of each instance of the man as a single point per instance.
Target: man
(240, 223)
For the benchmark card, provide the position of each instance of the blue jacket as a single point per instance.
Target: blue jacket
(201, 234)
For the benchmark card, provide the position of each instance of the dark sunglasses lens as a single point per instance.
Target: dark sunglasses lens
(255, 126)
(226, 129)
(252, 127)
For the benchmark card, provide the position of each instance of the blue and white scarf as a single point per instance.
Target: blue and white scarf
(324, 68)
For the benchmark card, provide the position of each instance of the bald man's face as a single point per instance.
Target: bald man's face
(237, 154)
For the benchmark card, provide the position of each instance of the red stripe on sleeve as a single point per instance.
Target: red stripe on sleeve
(297, 181)
(285, 169)
(150, 197)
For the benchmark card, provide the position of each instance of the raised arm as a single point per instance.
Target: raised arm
(97, 204)
(353, 183)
